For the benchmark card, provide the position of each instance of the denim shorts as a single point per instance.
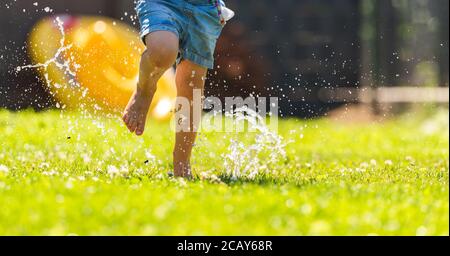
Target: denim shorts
(195, 22)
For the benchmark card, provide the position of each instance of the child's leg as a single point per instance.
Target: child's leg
(160, 55)
(189, 76)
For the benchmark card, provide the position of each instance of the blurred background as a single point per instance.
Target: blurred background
(316, 55)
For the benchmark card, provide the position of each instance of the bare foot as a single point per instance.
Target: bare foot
(135, 114)
(183, 170)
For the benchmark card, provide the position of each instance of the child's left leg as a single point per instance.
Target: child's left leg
(189, 77)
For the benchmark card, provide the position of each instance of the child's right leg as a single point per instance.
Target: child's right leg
(160, 55)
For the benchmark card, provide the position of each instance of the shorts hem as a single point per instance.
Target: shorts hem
(155, 28)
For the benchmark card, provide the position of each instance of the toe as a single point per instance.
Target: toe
(129, 123)
(130, 128)
(140, 128)
(133, 125)
(125, 118)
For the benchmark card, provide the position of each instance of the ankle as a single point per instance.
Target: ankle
(181, 163)
(145, 90)
(182, 169)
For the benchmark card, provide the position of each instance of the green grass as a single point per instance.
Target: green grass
(388, 178)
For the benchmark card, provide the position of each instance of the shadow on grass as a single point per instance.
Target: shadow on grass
(266, 180)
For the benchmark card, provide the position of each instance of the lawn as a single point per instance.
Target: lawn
(64, 173)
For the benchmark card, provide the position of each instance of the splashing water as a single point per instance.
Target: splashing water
(248, 161)
(63, 64)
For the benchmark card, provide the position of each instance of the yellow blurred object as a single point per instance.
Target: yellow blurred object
(106, 55)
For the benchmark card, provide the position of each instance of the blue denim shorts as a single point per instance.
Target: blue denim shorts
(195, 22)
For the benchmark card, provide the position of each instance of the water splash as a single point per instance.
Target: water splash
(262, 155)
(62, 63)
(89, 115)
(65, 61)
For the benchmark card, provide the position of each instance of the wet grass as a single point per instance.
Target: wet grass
(66, 174)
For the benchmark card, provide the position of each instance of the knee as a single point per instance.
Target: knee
(161, 56)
